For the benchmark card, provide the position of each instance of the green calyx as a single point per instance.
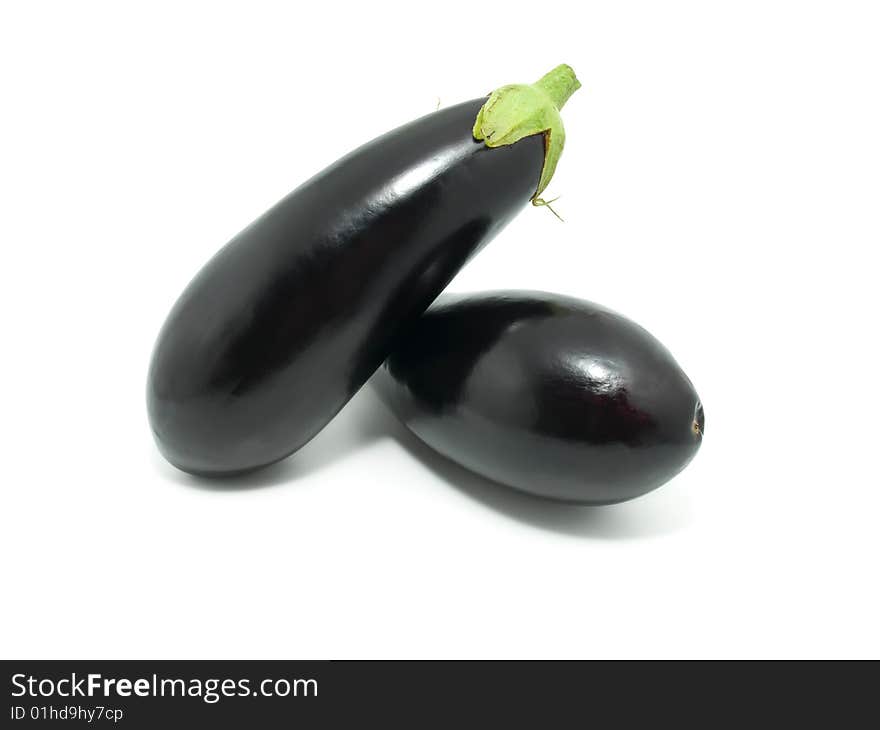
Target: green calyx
(521, 110)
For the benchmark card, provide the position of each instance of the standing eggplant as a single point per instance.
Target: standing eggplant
(553, 396)
(286, 322)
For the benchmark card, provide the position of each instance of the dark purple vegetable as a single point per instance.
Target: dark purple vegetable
(292, 316)
(545, 393)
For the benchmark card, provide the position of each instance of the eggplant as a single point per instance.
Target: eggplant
(548, 394)
(291, 317)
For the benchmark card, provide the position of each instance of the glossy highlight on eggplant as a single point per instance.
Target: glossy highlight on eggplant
(287, 321)
(548, 394)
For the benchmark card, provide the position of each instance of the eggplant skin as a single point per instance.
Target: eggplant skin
(548, 394)
(287, 321)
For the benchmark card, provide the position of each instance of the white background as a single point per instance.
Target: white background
(720, 186)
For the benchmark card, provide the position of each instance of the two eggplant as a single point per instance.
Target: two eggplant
(288, 320)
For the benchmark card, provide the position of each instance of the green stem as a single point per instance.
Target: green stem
(514, 112)
(559, 84)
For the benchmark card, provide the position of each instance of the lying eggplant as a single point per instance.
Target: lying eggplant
(544, 393)
(292, 316)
